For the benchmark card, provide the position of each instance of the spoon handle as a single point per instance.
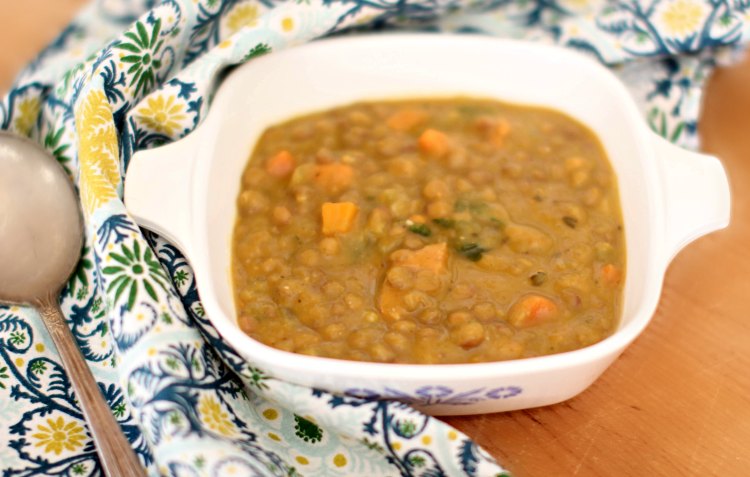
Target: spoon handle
(115, 453)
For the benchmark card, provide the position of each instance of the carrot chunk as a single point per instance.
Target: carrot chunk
(493, 129)
(434, 143)
(333, 178)
(532, 310)
(406, 119)
(406, 265)
(338, 217)
(611, 275)
(281, 164)
(498, 133)
(433, 257)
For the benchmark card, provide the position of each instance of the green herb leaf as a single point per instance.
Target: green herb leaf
(499, 223)
(258, 50)
(445, 223)
(538, 278)
(461, 205)
(570, 221)
(420, 229)
(473, 206)
(472, 251)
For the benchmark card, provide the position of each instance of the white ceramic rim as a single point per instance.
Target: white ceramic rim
(333, 368)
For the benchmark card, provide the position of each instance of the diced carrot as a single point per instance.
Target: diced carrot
(334, 177)
(434, 143)
(611, 275)
(406, 119)
(493, 129)
(281, 164)
(338, 217)
(418, 219)
(532, 310)
(498, 133)
(433, 257)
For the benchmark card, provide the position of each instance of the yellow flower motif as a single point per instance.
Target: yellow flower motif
(28, 111)
(214, 416)
(242, 16)
(287, 24)
(578, 6)
(97, 151)
(339, 460)
(680, 18)
(59, 435)
(270, 414)
(163, 116)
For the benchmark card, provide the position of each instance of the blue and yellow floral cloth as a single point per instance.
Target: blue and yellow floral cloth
(129, 75)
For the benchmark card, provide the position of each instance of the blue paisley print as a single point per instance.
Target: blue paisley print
(128, 75)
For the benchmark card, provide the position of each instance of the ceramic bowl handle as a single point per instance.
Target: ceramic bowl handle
(158, 189)
(696, 194)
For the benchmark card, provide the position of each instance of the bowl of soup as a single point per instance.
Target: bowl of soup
(462, 223)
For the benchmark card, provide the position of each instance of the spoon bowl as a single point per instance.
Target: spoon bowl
(41, 229)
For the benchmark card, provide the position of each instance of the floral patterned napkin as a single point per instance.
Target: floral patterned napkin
(133, 74)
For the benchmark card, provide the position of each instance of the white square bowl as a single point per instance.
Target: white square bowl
(669, 196)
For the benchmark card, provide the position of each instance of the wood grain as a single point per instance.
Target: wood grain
(27, 27)
(677, 402)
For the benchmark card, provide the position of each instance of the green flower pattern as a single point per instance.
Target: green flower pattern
(38, 367)
(17, 338)
(143, 46)
(79, 282)
(186, 400)
(78, 469)
(3, 376)
(135, 270)
(307, 430)
(53, 142)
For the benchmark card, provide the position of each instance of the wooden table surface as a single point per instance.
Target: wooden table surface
(677, 402)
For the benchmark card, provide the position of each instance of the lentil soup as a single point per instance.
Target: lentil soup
(429, 231)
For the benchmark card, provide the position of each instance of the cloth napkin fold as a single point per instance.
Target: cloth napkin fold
(130, 75)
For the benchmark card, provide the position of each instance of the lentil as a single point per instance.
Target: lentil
(455, 231)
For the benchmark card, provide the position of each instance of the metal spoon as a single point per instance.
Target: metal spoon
(41, 234)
